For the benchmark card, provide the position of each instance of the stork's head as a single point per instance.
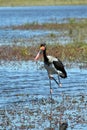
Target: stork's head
(42, 48)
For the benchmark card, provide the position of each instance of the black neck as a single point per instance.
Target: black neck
(45, 56)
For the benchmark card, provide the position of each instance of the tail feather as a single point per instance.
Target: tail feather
(63, 74)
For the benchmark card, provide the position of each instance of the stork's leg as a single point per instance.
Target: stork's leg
(51, 114)
(59, 81)
(51, 77)
(50, 85)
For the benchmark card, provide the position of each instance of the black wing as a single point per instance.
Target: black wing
(59, 66)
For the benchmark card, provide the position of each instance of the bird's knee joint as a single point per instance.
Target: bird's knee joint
(50, 76)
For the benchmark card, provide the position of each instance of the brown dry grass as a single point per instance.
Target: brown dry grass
(76, 51)
(68, 52)
(51, 26)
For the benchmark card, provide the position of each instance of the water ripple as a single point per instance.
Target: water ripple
(24, 85)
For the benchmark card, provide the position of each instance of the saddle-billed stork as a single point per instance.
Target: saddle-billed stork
(52, 65)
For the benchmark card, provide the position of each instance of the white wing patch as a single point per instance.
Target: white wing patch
(51, 59)
(51, 68)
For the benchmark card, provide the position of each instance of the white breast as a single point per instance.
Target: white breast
(50, 68)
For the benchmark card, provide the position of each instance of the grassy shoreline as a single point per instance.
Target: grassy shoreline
(73, 51)
(74, 31)
(41, 3)
(70, 24)
(69, 52)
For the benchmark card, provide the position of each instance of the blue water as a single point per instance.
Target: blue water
(25, 97)
(42, 14)
(24, 86)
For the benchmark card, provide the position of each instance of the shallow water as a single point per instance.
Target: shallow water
(25, 37)
(25, 100)
(43, 14)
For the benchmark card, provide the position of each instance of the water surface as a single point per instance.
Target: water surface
(25, 97)
(25, 100)
(43, 14)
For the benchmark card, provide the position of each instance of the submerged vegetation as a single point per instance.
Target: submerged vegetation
(74, 29)
(43, 2)
(37, 113)
(74, 50)
(70, 23)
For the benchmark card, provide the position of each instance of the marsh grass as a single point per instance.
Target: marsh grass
(39, 2)
(71, 23)
(76, 28)
(75, 50)
(69, 52)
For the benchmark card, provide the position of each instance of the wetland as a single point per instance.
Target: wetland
(25, 100)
